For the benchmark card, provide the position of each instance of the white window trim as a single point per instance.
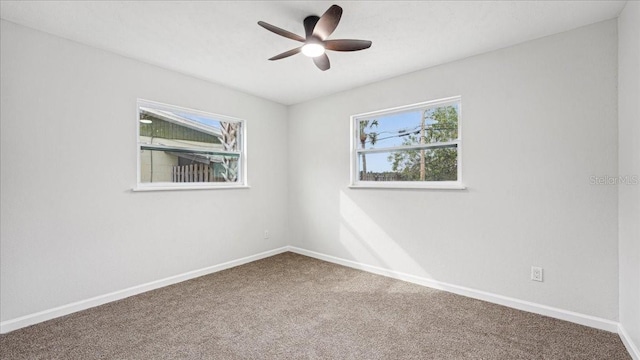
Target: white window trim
(356, 183)
(160, 186)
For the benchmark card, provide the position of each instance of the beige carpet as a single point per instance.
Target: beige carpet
(294, 307)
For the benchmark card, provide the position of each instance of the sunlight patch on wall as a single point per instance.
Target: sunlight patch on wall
(368, 243)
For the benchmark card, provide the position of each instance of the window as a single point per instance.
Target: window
(414, 146)
(188, 149)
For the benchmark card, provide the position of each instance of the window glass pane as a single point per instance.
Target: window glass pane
(182, 130)
(179, 166)
(431, 125)
(439, 164)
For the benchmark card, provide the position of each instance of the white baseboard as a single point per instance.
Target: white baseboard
(582, 319)
(24, 321)
(628, 343)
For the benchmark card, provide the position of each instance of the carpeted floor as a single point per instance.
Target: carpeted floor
(294, 307)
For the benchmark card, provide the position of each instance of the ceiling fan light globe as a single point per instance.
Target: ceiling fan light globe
(313, 50)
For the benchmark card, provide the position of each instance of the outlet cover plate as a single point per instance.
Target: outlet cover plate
(536, 273)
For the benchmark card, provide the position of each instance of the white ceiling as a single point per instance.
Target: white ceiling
(220, 41)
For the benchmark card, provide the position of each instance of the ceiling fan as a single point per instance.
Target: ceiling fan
(317, 30)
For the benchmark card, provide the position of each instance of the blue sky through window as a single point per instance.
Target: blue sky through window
(392, 130)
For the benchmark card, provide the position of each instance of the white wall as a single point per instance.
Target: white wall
(539, 119)
(629, 163)
(71, 228)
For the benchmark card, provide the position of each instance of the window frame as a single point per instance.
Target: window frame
(242, 152)
(355, 152)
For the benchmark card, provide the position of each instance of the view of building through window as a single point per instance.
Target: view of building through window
(178, 146)
(419, 143)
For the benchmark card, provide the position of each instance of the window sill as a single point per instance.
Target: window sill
(392, 185)
(189, 187)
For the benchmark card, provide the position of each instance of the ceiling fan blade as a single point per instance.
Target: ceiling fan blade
(286, 54)
(347, 45)
(281, 32)
(322, 62)
(309, 24)
(328, 22)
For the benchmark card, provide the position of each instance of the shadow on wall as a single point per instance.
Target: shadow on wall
(369, 243)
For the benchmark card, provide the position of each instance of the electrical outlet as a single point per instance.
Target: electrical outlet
(536, 273)
(266, 234)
